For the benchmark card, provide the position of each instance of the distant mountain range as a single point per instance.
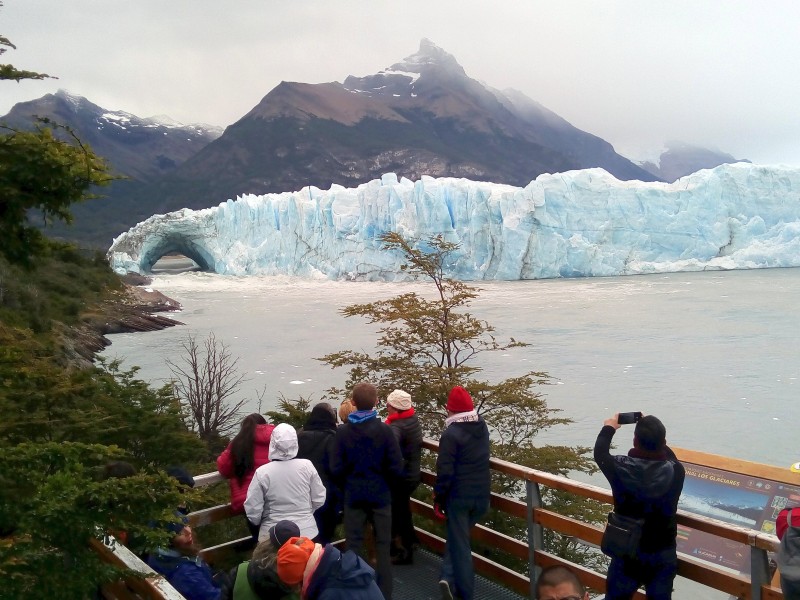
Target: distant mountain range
(679, 159)
(421, 116)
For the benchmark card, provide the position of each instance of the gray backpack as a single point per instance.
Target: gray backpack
(788, 560)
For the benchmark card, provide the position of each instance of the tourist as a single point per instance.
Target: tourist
(183, 568)
(239, 461)
(345, 408)
(407, 429)
(315, 442)
(325, 573)
(558, 582)
(286, 488)
(365, 458)
(258, 577)
(646, 484)
(787, 527)
(462, 489)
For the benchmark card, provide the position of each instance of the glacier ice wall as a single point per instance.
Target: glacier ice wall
(574, 224)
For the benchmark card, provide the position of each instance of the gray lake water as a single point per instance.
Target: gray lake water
(713, 354)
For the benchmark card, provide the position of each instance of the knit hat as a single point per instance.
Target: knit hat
(399, 399)
(283, 531)
(292, 559)
(181, 474)
(459, 400)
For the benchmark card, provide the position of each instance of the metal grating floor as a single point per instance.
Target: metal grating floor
(420, 581)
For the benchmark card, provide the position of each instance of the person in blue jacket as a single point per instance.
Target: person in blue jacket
(462, 489)
(325, 573)
(183, 568)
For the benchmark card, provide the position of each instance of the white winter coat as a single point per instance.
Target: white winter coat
(284, 488)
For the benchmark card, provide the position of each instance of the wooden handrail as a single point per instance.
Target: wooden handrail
(708, 574)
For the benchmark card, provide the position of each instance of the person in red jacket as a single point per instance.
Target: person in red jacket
(246, 452)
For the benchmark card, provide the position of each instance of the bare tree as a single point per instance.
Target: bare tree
(204, 380)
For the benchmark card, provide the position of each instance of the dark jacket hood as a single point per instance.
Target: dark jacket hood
(340, 570)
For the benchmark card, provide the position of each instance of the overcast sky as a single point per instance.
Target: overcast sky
(719, 73)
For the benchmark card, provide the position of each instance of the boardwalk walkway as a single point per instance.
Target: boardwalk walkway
(420, 581)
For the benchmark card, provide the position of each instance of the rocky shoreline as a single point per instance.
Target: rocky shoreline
(133, 308)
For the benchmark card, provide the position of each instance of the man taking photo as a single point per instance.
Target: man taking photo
(646, 484)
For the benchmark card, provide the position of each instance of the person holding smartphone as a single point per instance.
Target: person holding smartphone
(646, 484)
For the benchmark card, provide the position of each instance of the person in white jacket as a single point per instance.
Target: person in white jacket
(286, 488)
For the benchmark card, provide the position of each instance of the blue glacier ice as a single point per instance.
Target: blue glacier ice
(574, 224)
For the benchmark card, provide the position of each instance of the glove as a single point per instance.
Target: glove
(438, 512)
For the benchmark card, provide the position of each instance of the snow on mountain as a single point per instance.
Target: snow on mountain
(574, 224)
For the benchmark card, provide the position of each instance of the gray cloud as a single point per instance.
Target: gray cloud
(635, 73)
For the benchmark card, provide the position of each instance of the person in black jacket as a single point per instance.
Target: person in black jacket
(315, 442)
(366, 456)
(462, 489)
(408, 431)
(646, 484)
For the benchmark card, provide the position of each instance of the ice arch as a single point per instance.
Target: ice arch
(180, 244)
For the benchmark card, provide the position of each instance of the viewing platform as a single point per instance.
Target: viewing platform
(496, 581)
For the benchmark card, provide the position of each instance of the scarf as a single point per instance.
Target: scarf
(360, 416)
(405, 414)
(462, 417)
(647, 454)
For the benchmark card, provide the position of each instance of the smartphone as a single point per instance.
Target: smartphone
(627, 418)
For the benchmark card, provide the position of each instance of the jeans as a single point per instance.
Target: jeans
(355, 521)
(462, 515)
(656, 570)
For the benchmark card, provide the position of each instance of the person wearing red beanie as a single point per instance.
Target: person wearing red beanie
(462, 489)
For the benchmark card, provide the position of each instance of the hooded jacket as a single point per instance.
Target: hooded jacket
(408, 432)
(643, 488)
(225, 465)
(342, 576)
(462, 466)
(315, 440)
(285, 488)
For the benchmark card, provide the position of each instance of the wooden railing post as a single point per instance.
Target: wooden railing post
(533, 496)
(759, 571)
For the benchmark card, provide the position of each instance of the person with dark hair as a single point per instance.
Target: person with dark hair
(246, 452)
(407, 429)
(558, 582)
(315, 441)
(183, 568)
(325, 573)
(258, 577)
(646, 484)
(462, 489)
(365, 458)
(286, 488)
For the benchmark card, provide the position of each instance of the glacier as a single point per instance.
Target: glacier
(575, 224)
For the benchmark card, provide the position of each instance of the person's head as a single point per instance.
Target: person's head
(650, 434)
(117, 469)
(242, 445)
(183, 539)
(322, 416)
(283, 443)
(345, 408)
(365, 396)
(398, 401)
(293, 558)
(282, 532)
(459, 400)
(181, 475)
(560, 583)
